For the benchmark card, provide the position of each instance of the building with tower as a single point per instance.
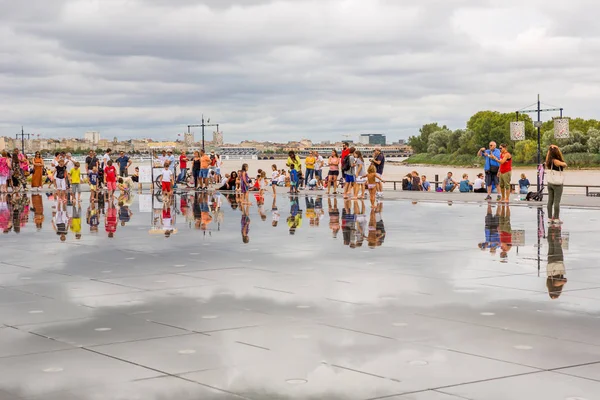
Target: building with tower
(217, 138)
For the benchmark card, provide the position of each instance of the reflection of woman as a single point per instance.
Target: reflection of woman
(556, 267)
(38, 169)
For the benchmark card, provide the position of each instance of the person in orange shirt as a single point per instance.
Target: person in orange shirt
(204, 164)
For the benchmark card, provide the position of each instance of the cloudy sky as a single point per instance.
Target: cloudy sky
(286, 69)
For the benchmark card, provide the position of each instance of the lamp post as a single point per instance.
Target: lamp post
(22, 134)
(203, 124)
(538, 125)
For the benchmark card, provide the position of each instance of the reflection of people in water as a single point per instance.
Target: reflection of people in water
(245, 222)
(60, 222)
(310, 211)
(492, 237)
(379, 224)
(294, 221)
(76, 220)
(92, 218)
(334, 217)
(362, 224)
(5, 213)
(205, 217)
(348, 222)
(505, 231)
(555, 271)
(319, 210)
(110, 221)
(275, 212)
(38, 210)
(167, 220)
(372, 229)
(124, 213)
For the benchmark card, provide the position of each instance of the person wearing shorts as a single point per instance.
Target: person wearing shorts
(491, 167)
(204, 165)
(167, 178)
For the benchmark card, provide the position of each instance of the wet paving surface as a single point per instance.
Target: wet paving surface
(305, 298)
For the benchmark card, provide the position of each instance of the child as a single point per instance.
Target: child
(93, 181)
(479, 185)
(465, 184)
(294, 179)
(136, 178)
(167, 179)
(274, 178)
(372, 178)
(75, 179)
(76, 219)
(60, 180)
(110, 178)
(262, 182)
(244, 184)
(524, 184)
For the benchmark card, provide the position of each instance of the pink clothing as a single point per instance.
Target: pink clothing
(23, 163)
(4, 169)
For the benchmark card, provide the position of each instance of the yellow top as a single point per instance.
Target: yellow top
(310, 162)
(75, 175)
(76, 225)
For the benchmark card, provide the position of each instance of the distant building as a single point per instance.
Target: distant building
(402, 142)
(218, 138)
(93, 137)
(372, 138)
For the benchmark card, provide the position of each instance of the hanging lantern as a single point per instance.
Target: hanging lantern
(517, 130)
(561, 128)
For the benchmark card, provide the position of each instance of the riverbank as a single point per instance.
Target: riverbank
(574, 160)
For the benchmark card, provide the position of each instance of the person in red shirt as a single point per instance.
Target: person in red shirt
(110, 222)
(110, 178)
(182, 167)
(345, 153)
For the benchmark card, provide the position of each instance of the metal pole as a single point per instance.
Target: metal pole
(561, 110)
(539, 140)
(202, 131)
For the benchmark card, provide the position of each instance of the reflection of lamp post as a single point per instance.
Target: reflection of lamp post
(203, 125)
(538, 124)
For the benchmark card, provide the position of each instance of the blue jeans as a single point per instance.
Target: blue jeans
(182, 175)
(310, 173)
(196, 174)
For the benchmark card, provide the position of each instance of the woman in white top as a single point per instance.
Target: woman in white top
(479, 184)
(361, 174)
(274, 178)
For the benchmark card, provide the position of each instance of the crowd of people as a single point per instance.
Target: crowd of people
(349, 173)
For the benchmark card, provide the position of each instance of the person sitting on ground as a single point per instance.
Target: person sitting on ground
(479, 184)
(407, 182)
(449, 183)
(425, 185)
(524, 184)
(465, 185)
(416, 182)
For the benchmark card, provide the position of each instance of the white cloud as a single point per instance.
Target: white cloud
(288, 68)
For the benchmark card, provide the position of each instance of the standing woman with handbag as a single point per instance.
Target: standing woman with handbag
(555, 164)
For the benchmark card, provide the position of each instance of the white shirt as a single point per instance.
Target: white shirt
(105, 158)
(69, 164)
(162, 160)
(224, 180)
(319, 163)
(478, 184)
(166, 175)
(274, 175)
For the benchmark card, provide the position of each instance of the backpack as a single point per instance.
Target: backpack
(346, 163)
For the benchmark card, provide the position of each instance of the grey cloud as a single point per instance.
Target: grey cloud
(287, 68)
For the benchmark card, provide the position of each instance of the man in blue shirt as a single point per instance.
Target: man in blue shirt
(491, 168)
(124, 163)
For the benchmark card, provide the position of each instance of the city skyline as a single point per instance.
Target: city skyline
(334, 67)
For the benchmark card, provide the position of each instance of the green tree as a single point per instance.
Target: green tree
(525, 152)
(420, 142)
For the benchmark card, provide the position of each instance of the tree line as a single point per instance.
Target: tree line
(433, 140)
